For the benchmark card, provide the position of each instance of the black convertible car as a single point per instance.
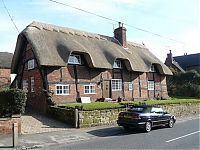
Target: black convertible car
(145, 117)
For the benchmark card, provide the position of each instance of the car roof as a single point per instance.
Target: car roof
(144, 106)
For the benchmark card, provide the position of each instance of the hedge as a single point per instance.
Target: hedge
(12, 101)
(162, 102)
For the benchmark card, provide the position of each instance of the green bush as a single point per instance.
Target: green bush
(163, 102)
(12, 101)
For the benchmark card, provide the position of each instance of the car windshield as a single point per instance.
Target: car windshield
(140, 109)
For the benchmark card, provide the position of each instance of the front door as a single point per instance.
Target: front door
(106, 89)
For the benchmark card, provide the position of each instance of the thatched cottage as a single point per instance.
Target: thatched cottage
(59, 65)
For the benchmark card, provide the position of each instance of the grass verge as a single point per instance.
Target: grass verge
(110, 105)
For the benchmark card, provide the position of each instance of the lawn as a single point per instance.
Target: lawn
(111, 105)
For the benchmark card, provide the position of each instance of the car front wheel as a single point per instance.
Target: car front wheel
(148, 127)
(171, 123)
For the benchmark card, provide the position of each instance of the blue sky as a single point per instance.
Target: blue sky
(174, 19)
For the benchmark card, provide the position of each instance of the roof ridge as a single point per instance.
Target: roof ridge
(72, 31)
(67, 30)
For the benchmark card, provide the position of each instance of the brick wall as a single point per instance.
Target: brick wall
(35, 100)
(4, 76)
(6, 124)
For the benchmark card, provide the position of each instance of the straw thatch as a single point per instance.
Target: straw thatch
(52, 46)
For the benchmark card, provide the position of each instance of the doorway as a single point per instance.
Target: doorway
(106, 89)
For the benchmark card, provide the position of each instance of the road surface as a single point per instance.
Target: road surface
(184, 135)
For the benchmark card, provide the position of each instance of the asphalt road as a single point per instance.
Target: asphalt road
(184, 135)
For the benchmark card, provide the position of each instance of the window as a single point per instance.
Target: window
(74, 59)
(116, 84)
(152, 69)
(130, 86)
(157, 110)
(150, 85)
(25, 86)
(31, 64)
(117, 64)
(62, 89)
(32, 84)
(89, 89)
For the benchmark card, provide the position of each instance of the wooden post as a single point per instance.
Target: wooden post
(15, 134)
(76, 118)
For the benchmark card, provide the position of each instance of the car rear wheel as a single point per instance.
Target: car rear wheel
(126, 128)
(171, 123)
(148, 126)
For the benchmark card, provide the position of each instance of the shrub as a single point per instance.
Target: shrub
(163, 102)
(12, 101)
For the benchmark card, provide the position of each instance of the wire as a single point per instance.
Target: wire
(10, 16)
(137, 28)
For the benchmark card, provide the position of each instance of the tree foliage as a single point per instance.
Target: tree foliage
(184, 84)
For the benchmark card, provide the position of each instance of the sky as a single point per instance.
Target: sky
(176, 22)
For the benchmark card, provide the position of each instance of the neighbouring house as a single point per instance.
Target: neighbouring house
(59, 65)
(5, 68)
(184, 63)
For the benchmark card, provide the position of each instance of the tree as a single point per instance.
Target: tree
(184, 84)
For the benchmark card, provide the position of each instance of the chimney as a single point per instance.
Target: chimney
(169, 59)
(120, 35)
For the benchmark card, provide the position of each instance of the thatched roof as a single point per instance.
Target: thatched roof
(52, 46)
(5, 60)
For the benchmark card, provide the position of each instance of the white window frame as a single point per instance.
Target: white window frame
(32, 84)
(62, 89)
(31, 64)
(130, 86)
(91, 89)
(151, 85)
(25, 85)
(117, 64)
(116, 84)
(74, 59)
(152, 68)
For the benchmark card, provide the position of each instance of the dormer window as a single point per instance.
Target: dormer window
(152, 69)
(117, 64)
(74, 59)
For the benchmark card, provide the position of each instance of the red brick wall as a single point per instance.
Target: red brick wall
(4, 76)
(95, 76)
(6, 124)
(35, 100)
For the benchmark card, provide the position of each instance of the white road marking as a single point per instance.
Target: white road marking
(182, 136)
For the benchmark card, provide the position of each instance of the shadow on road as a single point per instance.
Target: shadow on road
(114, 131)
(6, 147)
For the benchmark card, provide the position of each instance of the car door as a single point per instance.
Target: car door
(154, 117)
(161, 116)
